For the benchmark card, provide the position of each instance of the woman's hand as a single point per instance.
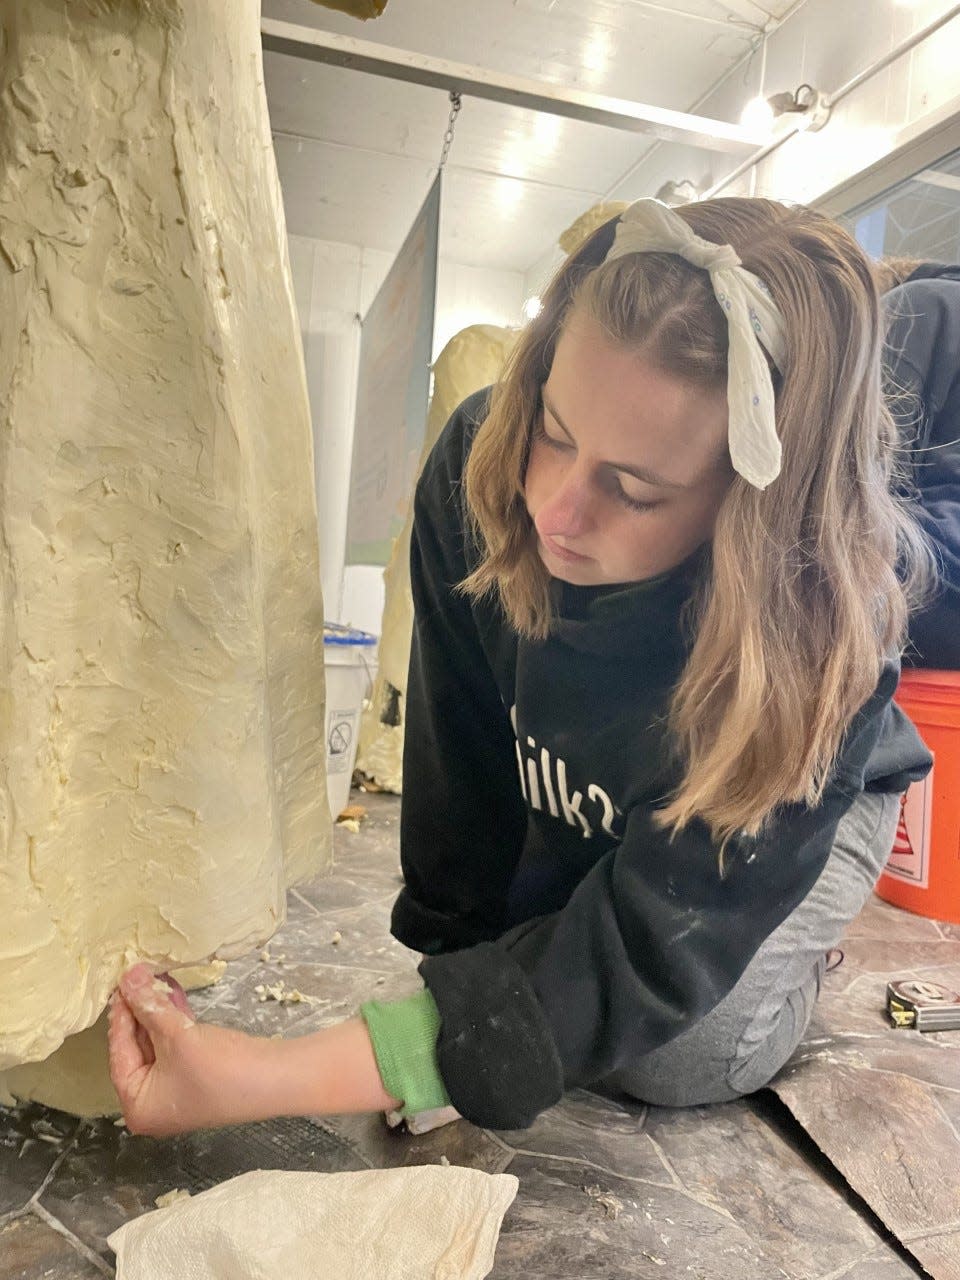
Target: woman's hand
(171, 1072)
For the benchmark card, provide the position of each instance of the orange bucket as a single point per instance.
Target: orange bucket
(923, 873)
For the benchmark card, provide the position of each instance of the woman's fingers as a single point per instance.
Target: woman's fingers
(143, 1011)
(148, 1016)
(160, 1009)
(126, 1053)
(178, 996)
(145, 1043)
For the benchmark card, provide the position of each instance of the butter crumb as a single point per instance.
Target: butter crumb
(611, 1205)
(283, 994)
(352, 813)
(171, 1197)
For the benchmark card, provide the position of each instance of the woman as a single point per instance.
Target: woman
(923, 375)
(652, 766)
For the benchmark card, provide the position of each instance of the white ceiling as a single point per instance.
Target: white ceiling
(357, 152)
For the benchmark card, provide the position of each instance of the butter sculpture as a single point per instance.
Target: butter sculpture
(471, 359)
(584, 226)
(162, 776)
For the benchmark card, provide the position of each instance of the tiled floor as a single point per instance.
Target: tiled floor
(885, 1106)
(608, 1188)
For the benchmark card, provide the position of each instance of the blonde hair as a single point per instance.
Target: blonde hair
(891, 271)
(809, 582)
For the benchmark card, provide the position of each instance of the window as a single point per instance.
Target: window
(918, 218)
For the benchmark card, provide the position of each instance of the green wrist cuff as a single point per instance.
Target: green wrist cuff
(404, 1035)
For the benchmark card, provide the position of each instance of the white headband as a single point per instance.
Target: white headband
(752, 319)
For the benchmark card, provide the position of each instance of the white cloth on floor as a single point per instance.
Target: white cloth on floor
(427, 1222)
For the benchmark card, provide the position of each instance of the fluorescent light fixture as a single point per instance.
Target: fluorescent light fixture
(532, 307)
(757, 114)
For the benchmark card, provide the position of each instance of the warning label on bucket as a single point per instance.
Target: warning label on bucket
(341, 731)
(910, 859)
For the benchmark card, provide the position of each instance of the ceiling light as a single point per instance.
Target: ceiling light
(806, 106)
(813, 111)
(532, 307)
(758, 115)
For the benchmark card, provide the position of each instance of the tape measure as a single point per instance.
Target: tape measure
(923, 1006)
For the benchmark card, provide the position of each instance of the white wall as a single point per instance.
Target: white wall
(334, 285)
(874, 120)
(825, 44)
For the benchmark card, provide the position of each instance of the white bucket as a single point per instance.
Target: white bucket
(350, 665)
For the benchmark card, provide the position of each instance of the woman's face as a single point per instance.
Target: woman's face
(628, 466)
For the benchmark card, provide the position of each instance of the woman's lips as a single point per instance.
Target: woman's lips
(562, 553)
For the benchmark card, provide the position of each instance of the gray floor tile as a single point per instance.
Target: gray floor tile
(892, 958)
(30, 1249)
(880, 919)
(358, 938)
(346, 889)
(766, 1205)
(109, 1176)
(31, 1139)
(592, 1130)
(876, 1265)
(892, 1141)
(571, 1221)
(459, 1143)
(884, 1104)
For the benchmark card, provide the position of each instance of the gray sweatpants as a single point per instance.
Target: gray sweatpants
(742, 1043)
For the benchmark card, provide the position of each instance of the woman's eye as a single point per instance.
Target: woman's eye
(613, 485)
(552, 441)
(635, 504)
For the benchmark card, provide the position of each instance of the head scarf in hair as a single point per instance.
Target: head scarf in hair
(752, 321)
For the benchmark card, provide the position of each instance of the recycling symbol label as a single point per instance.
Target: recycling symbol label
(341, 728)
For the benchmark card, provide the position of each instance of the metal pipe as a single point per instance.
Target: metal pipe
(911, 42)
(750, 163)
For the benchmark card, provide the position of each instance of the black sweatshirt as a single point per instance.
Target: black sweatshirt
(923, 356)
(565, 934)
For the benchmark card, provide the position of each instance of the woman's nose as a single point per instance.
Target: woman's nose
(566, 513)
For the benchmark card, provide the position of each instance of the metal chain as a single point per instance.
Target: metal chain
(455, 105)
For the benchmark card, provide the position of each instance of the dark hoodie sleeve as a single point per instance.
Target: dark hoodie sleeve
(935, 630)
(650, 941)
(463, 819)
(923, 358)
